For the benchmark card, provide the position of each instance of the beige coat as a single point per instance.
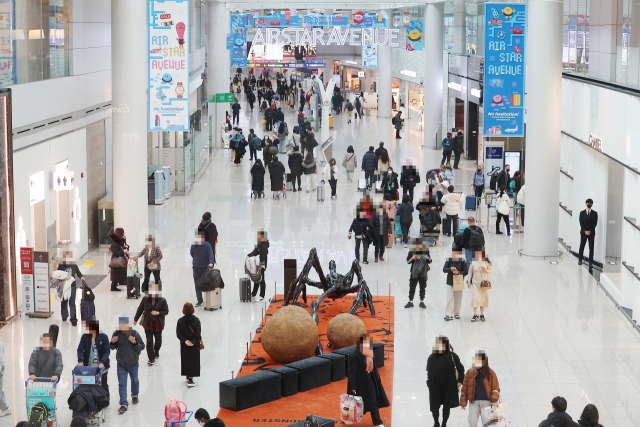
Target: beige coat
(480, 297)
(390, 206)
(383, 167)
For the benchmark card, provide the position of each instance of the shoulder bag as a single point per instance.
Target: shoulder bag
(485, 283)
(455, 370)
(118, 262)
(201, 343)
(346, 162)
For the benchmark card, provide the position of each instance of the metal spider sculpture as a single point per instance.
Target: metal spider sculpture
(334, 285)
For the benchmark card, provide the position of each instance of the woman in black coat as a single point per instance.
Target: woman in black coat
(295, 166)
(119, 249)
(188, 331)
(257, 179)
(445, 374)
(266, 156)
(276, 174)
(154, 308)
(364, 380)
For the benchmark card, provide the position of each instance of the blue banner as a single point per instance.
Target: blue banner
(414, 35)
(278, 20)
(504, 68)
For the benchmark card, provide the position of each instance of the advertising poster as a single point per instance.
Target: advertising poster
(41, 281)
(26, 273)
(414, 35)
(361, 20)
(168, 65)
(279, 20)
(6, 45)
(370, 56)
(237, 40)
(504, 68)
(493, 157)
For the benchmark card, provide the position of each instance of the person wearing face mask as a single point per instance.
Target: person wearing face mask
(503, 206)
(445, 375)
(202, 418)
(203, 258)
(390, 183)
(477, 182)
(454, 266)
(261, 249)
(504, 178)
(364, 380)
(94, 350)
(154, 308)
(448, 174)
(152, 256)
(480, 388)
(588, 223)
(362, 229)
(128, 345)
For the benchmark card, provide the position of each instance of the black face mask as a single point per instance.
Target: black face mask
(589, 205)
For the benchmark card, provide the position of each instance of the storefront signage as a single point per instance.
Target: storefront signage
(475, 92)
(41, 281)
(36, 188)
(414, 35)
(26, 272)
(408, 73)
(338, 36)
(360, 73)
(168, 34)
(369, 56)
(595, 142)
(64, 180)
(455, 86)
(504, 68)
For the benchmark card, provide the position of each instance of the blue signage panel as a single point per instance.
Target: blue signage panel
(504, 68)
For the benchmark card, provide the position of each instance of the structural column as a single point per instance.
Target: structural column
(384, 86)
(129, 81)
(217, 65)
(433, 30)
(543, 106)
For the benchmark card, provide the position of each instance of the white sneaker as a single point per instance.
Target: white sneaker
(5, 412)
(257, 299)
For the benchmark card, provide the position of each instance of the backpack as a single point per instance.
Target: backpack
(264, 104)
(268, 114)
(204, 228)
(173, 411)
(252, 268)
(476, 238)
(349, 106)
(494, 182)
(393, 120)
(39, 415)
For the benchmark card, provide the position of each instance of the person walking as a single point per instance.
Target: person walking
(364, 380)
(590, 417)
(382, 232)
(369, 165)
(472, 240)
(4, 406)
(94, 349)
(235, 108)
(397, 123)
(266, 154)
(504, 178)
(68, 305)
(380, 149)
(520, 200)
(45, 360)
(419, 259)
(558, 416)
(276, 174)
(447, 148)
(203, 258)
(128, 345)
(189, 333)
(349, 107)
(362, 229)
(251, 98)
(479, 271)
(390, 205)
(254, 144)
(445, 375)
(454, 266)
(409, 178)
(358, 106)
(154, 308)
(451, 202)
(309, 167)
(405, 212)
(588, 224)
(350, 162)
(480, 388)
(257, 179)
(477, 182)
(210, 231)
(295, 167)
(384, 162)
(503, 206)
(152, 256)
(390, 183)
(331, 172)
(261, 249)
(448, 174)
(458, 149)
(119, 258)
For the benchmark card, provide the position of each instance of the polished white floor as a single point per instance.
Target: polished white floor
(549, 330)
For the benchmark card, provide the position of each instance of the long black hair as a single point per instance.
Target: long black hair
(590, 414)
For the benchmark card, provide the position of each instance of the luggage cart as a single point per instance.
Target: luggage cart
(89, 375)
(42, 390)
(181, 423)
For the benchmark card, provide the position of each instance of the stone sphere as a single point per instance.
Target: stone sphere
(344, 330)
(290, 335)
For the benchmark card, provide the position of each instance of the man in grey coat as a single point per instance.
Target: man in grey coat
(45, 361)
(128, 345)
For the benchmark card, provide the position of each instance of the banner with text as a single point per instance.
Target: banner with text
(370, 56)
(168, 65)
(504, 68)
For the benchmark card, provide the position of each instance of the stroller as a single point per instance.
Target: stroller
(430, 225)
(88, 398)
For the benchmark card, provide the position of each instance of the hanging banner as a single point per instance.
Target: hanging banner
(279, 20)
(237, 40)
(504, 68)
(414, 35)
(168, 65)
(370, 56)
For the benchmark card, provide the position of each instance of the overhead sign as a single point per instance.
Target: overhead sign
(493, 157)
(504, 68)
(369, 56)
(168, 65)
(36, 188)
(223, 97)
(64, 180)
(338, 36)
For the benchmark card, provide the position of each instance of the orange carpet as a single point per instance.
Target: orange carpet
(322, 401)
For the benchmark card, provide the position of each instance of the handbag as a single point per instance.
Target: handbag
(458, 282)
(118, 262)
(201, 343)
(485, 283)
(152, 266)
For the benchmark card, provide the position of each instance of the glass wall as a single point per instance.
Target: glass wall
(575, 36)
(33, 40)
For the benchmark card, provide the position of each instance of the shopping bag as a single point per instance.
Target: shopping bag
(351, 409)
(458, 282)
(489, 415)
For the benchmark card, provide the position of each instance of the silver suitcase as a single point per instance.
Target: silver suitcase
(320, 194)
(213, 299)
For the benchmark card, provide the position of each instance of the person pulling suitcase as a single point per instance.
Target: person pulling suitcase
(262, 249)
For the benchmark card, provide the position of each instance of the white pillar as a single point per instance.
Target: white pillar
(433, 30)
(459, 27)
(544, 112)
(384, 87)
(129, 91)
(217, 65)
(326, 110)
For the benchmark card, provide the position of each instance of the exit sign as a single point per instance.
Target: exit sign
(223, 97)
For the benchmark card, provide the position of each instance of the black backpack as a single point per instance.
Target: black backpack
(493, 183)
(264, 104)
(476, 238)
(349, 107)
(357, 102)
(39, 415)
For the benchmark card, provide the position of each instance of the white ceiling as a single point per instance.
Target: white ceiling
(320, 4)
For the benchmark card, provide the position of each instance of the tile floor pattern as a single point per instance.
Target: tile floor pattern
(549, 329)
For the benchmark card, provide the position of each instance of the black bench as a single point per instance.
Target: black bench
(249, 391)
(338, 366)
(289, 377)
(312, 372)
(378, 354)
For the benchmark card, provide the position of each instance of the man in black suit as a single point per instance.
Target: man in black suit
(588, 223)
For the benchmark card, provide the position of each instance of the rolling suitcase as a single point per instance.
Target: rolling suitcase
(320, 193)
(213, 299)
(245, 289)
(289, 182)
(362, 184)
(133, 287)
(470, 203)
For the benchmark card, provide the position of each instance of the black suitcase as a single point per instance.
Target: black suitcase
(245, 289)
(133, 287)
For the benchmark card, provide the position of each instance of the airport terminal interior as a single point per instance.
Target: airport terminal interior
(395, 143)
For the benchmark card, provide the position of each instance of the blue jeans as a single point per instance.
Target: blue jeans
(197, 272)
(69, 305)
(122, 383)
(468, 254)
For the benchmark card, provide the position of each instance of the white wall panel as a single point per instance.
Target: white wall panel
(90, 34)
(90, 60)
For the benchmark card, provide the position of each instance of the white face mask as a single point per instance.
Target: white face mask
(477, 364)
(201, 423)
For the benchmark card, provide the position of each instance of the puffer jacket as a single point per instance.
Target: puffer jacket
(406, 213)
(309, 167)
(295, 162)
(468, 390)
(451, 203)
(369, 161)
